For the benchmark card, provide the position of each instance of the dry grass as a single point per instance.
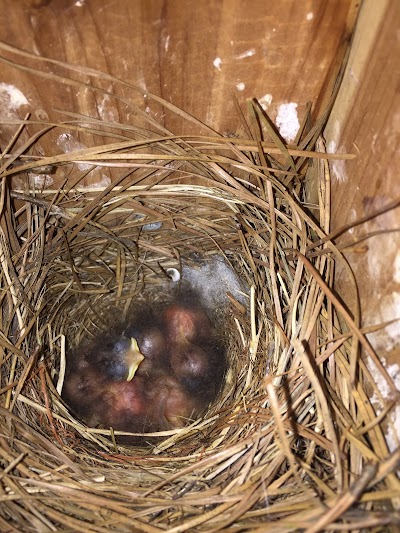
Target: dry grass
(294, 443)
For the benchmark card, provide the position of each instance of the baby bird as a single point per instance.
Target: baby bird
(95, 368)
(196, 350)
(155, 372)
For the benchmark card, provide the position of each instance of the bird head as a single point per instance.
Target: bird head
(116, 357)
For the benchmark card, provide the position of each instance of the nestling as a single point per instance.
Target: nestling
(155, 372)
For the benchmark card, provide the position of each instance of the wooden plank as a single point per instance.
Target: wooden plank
(366, 121)
(198, 55)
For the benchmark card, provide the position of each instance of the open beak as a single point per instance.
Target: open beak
(133, 359)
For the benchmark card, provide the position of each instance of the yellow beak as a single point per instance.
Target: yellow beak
(133, 359)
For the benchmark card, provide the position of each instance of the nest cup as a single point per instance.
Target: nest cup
(126, 259)
(293, 432)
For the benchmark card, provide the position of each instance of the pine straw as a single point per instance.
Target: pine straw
(294, 443)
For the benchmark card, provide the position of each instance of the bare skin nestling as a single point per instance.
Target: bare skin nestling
(157, 372)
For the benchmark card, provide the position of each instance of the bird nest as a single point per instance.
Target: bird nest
(293, 441)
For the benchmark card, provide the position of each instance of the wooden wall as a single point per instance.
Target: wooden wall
(366, 121)
(200, 56)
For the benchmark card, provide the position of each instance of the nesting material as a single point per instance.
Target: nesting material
(293, 441)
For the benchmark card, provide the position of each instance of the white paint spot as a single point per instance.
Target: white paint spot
(385, 306)
(338, 167)
(79, 3)
(382, 384)
(240, 86)
(373, 142)
(390, 310)
(217, 63)
(166, 44)
(335, 136)
(396, 268)
(339, 171)
(11, 97)
(376, 259)
(247, 53)
(141, 83)
(40, 181)
(331, 148)
(147, 109)
(287, 121)
(103, 183)
(68, 144)
(353, 76)
(209, 116)
(393, 432)
(105, 110)
(310, 15)
(265, 101)
(352, 218)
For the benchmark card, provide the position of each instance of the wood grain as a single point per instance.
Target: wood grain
(171, 48)
(368, 123)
